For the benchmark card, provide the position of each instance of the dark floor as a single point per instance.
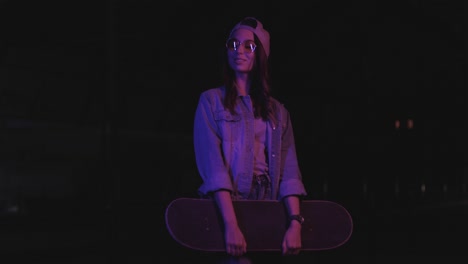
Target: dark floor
(135, 233)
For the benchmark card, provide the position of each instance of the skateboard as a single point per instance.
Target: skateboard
(195, 223)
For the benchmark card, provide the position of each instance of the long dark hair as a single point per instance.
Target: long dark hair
(260, 84)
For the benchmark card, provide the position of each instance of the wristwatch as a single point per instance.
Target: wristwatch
(297, 217)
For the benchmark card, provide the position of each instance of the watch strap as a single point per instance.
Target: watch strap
(297, 217)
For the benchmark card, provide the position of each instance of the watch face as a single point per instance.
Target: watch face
(301, 219)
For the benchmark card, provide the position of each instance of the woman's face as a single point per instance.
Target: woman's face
(241, 50)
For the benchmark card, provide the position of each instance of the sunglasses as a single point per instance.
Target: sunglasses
(234, 44)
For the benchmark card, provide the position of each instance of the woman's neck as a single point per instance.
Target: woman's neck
(242, 84)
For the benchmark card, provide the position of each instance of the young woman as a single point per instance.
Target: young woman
(243, 139)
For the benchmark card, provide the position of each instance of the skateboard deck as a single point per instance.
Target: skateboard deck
(196, 224)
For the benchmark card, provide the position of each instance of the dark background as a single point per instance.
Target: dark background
(96, 112)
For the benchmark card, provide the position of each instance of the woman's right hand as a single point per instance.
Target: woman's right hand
(233, 236)
(235, 241)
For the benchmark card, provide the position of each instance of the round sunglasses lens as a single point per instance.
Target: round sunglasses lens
(250, 46)
(232, 44)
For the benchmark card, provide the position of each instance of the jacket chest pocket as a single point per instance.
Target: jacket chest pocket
(229, 125)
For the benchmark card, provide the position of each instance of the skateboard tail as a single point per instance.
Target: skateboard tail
(337, 231)
(202, 230)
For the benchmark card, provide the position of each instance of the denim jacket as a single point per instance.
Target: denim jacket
(223, 145)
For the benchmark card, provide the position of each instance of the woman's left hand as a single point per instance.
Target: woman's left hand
(292, 242)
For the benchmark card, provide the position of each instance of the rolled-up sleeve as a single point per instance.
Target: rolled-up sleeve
(291, 181)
